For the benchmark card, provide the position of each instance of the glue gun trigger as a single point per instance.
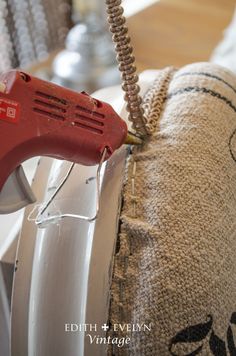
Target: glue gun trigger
(16, 192)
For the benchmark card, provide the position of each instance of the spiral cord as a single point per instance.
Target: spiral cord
(126, 61)
(155, 97)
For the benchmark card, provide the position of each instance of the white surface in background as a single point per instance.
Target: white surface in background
(225, 52)
(11, 223)
(131, 7)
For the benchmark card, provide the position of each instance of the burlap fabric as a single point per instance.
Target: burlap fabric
(175, 264)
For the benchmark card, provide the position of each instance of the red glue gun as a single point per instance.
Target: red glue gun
(39, 118)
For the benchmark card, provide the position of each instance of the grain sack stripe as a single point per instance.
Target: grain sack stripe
(207, 75)
(204, 91)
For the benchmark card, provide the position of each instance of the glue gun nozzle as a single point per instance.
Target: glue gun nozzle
(132, 139)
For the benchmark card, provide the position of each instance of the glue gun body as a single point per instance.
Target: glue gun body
(39, 118)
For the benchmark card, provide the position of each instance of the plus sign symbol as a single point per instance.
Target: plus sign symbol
(105, 327)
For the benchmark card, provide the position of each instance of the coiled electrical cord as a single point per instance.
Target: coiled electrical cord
(126, 61)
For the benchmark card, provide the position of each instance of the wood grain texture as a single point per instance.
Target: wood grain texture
(177, 32)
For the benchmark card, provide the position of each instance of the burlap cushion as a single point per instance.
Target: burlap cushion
(175, 264)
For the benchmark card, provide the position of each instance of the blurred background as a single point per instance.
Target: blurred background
(31, 29)
(68, 40)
